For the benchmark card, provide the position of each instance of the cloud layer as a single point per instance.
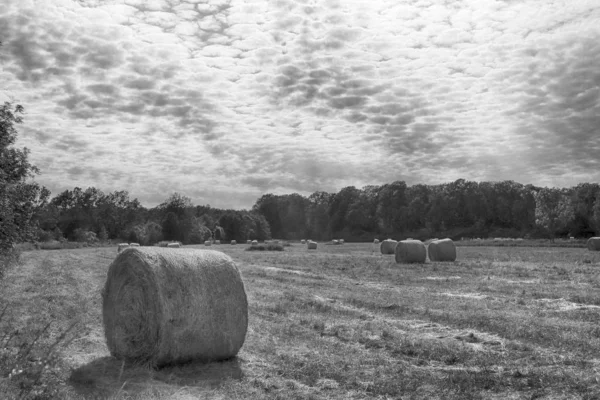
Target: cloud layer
(226, 100)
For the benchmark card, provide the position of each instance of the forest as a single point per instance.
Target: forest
(457, 209)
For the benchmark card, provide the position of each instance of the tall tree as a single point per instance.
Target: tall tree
(20, 196)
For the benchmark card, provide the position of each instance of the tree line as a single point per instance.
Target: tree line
(458, 209)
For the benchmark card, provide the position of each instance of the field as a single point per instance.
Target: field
(344, 322)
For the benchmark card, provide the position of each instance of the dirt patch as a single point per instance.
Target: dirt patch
(476, 296)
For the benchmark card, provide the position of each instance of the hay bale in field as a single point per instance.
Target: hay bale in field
(163, 306)
(442, 250)
(207, 243)
(303, 241)
(174, 245)
(122, 246)
(341, 241)
(254, 242)
(388, 246)
(248, 241)
(410, 251)
(375, 240)
(217, 242)
(310, 245)
(335, 241)
(234, 242)
(134, 245)
(593, 243)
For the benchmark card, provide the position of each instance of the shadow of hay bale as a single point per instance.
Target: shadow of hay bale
(107, 376)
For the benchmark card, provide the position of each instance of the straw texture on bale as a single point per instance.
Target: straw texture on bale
(388, 246)
(593, 243)
(122, 246)
(233, 242)
(442, 250)
(163, 306)
(207, 243)
(410, 251)
(175, 245)
(311, 245)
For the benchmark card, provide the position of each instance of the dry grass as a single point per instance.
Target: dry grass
(344, 323)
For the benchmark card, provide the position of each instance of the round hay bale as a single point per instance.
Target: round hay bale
(442, 250)
(410, 251)
(175, 245)
(341, 241)
(134, 245)
(335, 241)
(163, 306)
(207, 243)
(254, 243)
(122, 246)
(311, 245)
(593, 243)
(388, 246)
(234, 242)
(217, 242)
(303, 241)
(376, 241)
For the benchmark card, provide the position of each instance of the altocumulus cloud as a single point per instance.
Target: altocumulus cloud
(226, 100)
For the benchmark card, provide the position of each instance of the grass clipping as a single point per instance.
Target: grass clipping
(593, 243)
(411, 251)
(442, 250)
(166, 306)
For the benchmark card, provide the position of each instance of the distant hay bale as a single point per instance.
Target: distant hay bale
(164, 306)
(311, 245)
(410, 251)
(174, 245)
(442, 250)
(388, 246)
(593, 243)
(376, 241)
(122, 246)
(335, 241)
(217, 242)
(233, 242)
(254, 242)
(248, 241)
(303, 241)
(341, 241)
(134, 245)
(207, 243)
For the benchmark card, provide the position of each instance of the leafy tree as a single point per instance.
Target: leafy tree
(553, 209)
(20, 197)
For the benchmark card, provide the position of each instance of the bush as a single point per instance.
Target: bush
(265, 247)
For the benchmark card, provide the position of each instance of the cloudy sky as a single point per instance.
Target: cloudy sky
(223, 101)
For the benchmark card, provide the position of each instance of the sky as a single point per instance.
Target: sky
(223, 101)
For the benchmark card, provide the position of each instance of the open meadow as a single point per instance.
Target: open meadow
(341, 322)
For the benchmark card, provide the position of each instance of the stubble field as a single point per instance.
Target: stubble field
(345, 322)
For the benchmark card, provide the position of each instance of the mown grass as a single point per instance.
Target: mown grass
(345, 322)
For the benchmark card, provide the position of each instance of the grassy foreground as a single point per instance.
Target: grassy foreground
(339, 322)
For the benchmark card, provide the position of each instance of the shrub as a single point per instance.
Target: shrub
(265, 247)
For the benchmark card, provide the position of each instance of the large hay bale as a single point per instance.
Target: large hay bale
(254, 243)
(122, 246)
(233, 242)
(311, 245)
(410, 251)
(164, 306)
(175, 245)
(593, 243)
(207, 243)
(442, 250)
(388, 246)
